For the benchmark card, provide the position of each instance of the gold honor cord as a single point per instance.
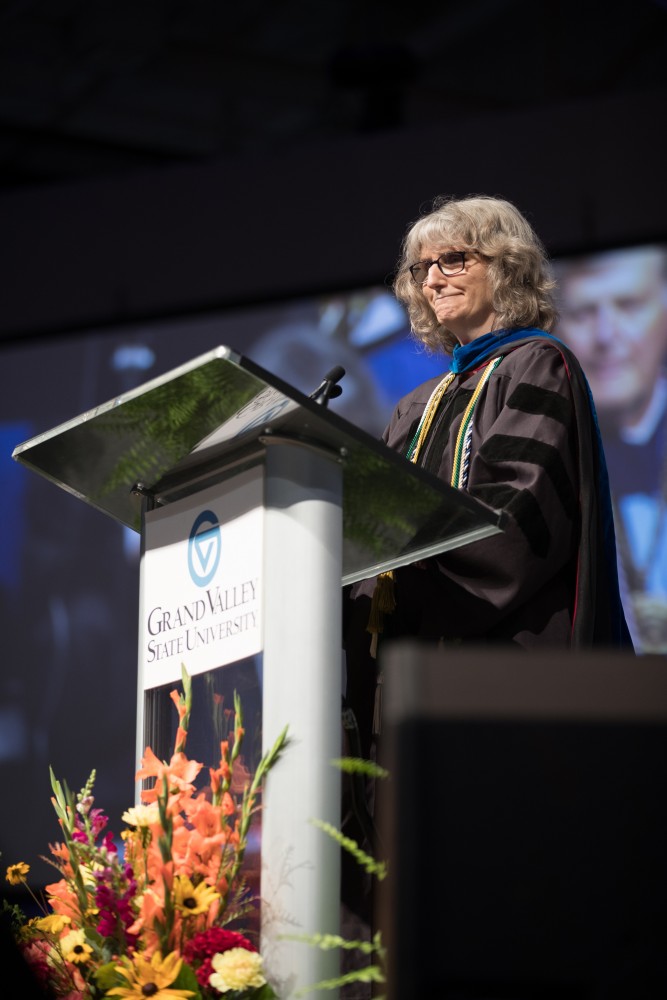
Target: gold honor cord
(383, 601)
(428, 415)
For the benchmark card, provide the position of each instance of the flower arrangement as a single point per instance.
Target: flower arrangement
(154, 923)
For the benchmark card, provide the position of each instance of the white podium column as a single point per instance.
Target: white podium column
(302, 689)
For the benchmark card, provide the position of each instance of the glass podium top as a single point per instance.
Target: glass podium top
(199, 421)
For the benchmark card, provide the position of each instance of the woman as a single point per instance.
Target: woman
(513, 424)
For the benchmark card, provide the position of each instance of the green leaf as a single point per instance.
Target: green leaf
(14, 915)
(106, 976)
(186, 980)
(264, 992)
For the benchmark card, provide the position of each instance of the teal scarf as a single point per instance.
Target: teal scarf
(467, 356)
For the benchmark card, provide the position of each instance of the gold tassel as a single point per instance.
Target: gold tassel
(383, 603)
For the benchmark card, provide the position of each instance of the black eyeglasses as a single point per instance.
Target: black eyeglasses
(449, 263)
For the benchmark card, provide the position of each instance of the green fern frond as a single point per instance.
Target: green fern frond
(368, 863)
(357, 765)
(371, 974)
(327, 942)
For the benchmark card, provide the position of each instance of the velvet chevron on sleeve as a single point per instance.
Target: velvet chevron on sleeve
(534, 453)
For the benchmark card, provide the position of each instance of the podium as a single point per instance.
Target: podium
(255, 505)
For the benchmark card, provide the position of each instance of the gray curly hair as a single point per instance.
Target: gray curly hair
(519, 272)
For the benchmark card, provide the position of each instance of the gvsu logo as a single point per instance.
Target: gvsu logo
(204, 548)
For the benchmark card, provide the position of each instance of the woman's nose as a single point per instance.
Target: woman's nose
(434, 276)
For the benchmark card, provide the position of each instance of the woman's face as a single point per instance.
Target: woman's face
(462, 302)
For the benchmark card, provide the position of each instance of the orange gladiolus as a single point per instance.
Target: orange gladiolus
(180, 774)
(63, 899)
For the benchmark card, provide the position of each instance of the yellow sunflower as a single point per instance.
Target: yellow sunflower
(193, 899)
(75, 948)
(150, 978)
(16, 874)
(53, 923)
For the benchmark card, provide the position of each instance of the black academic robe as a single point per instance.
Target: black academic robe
(549, 579)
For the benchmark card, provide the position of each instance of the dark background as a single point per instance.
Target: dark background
(167, 167)
(159, 158)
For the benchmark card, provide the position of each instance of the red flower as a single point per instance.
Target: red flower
(199, 951)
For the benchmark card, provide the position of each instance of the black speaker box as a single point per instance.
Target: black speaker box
(524, 821)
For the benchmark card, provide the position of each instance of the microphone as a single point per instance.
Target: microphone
(328, 388)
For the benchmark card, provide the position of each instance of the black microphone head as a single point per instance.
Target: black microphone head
(335, 375)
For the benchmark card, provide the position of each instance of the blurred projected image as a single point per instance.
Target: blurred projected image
(614, 316)
(69, 576)
(367, 334)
